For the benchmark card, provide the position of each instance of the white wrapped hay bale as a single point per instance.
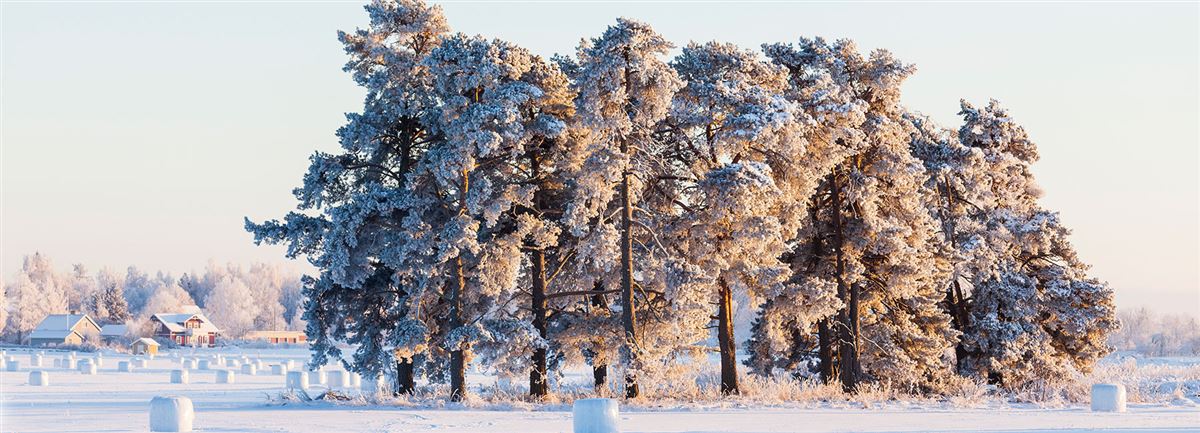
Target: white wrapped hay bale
(232, 363)
(373, 385)
(1108, 397)
(35, 361)
(189, 364)
(98, 361)
(39, 378)
(12, 365)
(297, 380)
(171, 414)
(595, 415)
(204, 364)
(355, 380)
(278, 369)
(124, 367)
(139, 363)
(68, 363)
(337, 379)
(225, 376)
(87, 367)
(179, 376)
(316, 377)
(249, 369)
(291, 365)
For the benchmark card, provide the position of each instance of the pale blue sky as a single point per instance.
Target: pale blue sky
(142, 133)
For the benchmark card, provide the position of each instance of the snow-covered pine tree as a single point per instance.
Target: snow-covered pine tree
(625, 90)
(1028, 310)
(358, 195)
(739, 163)
(870, 236)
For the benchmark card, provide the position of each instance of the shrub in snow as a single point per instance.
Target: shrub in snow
(225, 376)
(171, 414)
(39, 378)
(249, 369)
(204, 364)
(595, 415)
(1108, 397)
(316, 377)
(87, 367)
(124, 366)
(337, 379)
(278, 369)
(12, 365)
(139, 363)
(179, 376)
(297, 380)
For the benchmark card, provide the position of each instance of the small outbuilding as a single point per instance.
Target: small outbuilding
(144, 346)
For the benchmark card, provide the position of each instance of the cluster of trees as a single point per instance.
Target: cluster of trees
(238, 300)
(606, 208)
(1153, 334)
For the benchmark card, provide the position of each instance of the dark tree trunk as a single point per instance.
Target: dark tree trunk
(825, 350)
(405, 383)
(725, 339)
(537, 376)
(599, 370)
(458, 367)
(848, 316)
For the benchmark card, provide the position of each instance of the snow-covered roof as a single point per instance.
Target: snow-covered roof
(147, 341)
(62, 322)
(174, 322)
(114, 330)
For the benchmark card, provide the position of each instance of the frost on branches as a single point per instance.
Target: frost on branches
(491, 207)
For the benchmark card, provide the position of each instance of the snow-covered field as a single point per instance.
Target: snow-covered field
(113, 401)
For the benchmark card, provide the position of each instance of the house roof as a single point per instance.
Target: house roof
(174, 322)
(147, 341)
(114, 330)
(62, 322)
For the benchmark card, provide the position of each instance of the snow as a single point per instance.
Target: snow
(113, 402)
(1108, 397)
(596, 415)
(171, 414)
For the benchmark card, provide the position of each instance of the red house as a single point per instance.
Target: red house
(185, 329)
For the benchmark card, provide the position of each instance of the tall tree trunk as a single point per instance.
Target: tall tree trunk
(628, 313)
(458, 367)
(537, 376)
(599, 370)
(725, 339)
(825, 350)
(848, 316)
(405, 383)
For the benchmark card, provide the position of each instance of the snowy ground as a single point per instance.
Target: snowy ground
(118, 402)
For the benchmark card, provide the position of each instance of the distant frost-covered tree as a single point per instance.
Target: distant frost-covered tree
(37, 291)
(232, 305)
